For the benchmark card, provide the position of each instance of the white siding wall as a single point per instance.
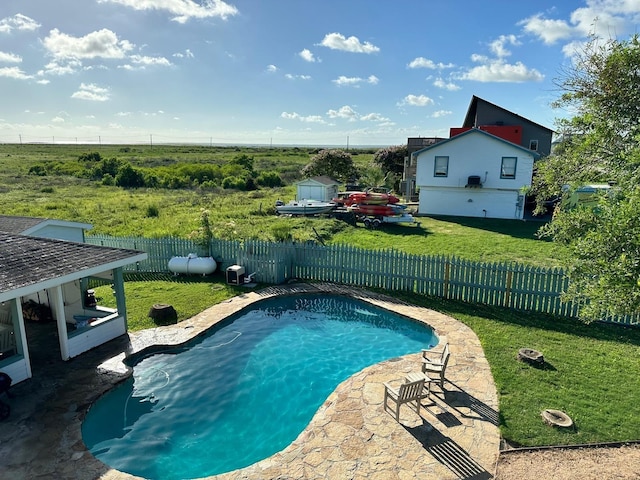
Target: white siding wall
(484, 203)
(91, 337)
(473, 154)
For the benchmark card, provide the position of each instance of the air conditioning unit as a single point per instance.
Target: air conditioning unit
(235, 275)
(473, 181)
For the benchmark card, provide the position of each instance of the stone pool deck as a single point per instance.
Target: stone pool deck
(351, 436)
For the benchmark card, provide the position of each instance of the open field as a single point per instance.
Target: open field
(158, 212)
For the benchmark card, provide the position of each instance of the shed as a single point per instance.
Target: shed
(44, 227)
(320, 188)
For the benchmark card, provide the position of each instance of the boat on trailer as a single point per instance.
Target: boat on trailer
(304, 207)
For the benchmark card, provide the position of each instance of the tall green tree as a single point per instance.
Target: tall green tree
(334, 163)
(391, 159)
(599, 143)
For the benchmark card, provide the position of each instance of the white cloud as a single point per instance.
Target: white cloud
(307, 56)
(296, 116)
(342, 81)
(90, 91)
(14, 72)
(18, 22)
(373, 117)
(421, 62)
(10, 57)
(186, 54)
(337, 41)
(144, 61)
(57, 120)
(549, 31)
(500, 71)
(345, 112)
(272, 68)
(290, 76)
(602, 18)
(440, 83)
(65, 68)
(441, 113)
(182, 10)
(100, 44)
(499, 46)
(416, 101)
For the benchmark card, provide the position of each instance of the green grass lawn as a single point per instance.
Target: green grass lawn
(590, 372)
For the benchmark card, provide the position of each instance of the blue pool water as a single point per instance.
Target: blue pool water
(244, 391)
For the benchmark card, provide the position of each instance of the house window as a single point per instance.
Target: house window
(508, 168)
(533, 145)
(441, 167)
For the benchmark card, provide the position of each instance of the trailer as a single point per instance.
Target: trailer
(374, 222)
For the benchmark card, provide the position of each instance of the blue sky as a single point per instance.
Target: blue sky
(303, 72)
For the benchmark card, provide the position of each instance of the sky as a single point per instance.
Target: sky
(284, 72)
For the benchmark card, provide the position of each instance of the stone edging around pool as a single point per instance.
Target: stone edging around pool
(351, 435)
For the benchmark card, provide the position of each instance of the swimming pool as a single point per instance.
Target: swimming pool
(244, 391)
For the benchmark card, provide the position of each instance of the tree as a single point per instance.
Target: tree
(600, 143)
(391, 159)
(336, 164)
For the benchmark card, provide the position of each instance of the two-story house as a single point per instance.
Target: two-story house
(474, 174)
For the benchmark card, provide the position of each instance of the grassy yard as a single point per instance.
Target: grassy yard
(590, 372)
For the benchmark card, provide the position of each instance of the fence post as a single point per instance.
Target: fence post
(507, 293)
(447, 267)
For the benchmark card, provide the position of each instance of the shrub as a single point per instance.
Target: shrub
(269, 179)
(152, 211)
(235, 183)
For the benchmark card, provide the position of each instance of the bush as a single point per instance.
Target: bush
(235, 183)
(269, 179)
(152, 211)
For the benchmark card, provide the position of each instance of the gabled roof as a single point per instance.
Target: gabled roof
(477, 131)
(473, 108)
(323, 179)
(27, 225)
(30, 264)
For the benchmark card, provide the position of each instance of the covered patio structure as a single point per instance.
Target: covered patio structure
(47, 280)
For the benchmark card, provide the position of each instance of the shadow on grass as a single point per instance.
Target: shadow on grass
(406, 229)
(513, 228)
(532, 320)
(216, 277)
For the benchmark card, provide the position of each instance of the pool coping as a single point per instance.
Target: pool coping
(350, 436)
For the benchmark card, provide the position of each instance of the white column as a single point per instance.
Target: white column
(57, 301)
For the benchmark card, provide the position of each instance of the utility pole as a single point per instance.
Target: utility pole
(151, 140)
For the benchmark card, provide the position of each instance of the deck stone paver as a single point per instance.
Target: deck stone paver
(351, 436)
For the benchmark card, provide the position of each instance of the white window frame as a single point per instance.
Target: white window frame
(533, 145)
(441, 169)
(506, 170)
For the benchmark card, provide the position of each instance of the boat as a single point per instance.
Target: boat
(304, 207)
(371, 198)
(377, 210)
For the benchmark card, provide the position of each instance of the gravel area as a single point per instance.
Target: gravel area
(598, 463)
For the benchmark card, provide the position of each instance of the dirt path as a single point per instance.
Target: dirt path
(603, 463)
